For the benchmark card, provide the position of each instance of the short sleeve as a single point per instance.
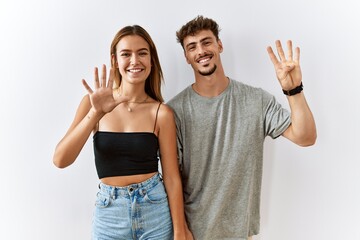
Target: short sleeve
(276, 118)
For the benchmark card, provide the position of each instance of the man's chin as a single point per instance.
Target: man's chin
(208, 72)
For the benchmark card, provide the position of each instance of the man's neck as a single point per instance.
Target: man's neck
(210, 86)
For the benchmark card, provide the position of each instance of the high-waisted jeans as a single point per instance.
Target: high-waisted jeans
(138, 211)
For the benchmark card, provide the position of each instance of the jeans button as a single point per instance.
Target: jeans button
(131, 189)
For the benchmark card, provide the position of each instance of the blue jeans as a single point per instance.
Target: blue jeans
(138, 211)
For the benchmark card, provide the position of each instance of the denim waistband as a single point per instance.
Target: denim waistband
(141, 187)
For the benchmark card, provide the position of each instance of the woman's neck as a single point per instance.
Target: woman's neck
(135, 94)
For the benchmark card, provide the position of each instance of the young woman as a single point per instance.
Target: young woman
(132, 128)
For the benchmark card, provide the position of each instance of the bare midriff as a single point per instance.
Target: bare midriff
(123, 181)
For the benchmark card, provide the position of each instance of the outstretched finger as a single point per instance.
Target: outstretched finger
(88, 88)
(297, 54)
(272, 56)
(103, 76)
(96, 78)
(280, 50)
(111, 78)
(290, 52)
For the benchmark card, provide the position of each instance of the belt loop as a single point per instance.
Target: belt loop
(112, 194)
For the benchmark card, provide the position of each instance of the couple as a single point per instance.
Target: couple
(209, 139)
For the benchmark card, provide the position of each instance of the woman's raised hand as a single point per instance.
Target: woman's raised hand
(102, 97)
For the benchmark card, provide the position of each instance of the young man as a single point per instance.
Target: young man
(221, 127)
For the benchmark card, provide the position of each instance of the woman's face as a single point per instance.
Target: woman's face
(133, 59)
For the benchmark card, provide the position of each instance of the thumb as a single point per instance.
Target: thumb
(289, 66)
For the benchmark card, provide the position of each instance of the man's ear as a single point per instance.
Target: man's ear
(220, 46)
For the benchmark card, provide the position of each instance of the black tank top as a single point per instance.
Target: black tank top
(126, 153)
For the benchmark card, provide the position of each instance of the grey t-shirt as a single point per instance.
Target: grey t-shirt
(220, 142)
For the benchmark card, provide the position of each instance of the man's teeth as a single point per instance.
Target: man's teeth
(204, 60)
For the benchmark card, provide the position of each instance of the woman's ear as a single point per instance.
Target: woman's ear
(114, 62)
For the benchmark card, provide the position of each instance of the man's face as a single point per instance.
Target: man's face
(202, 51)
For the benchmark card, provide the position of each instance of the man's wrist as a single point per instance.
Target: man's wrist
(294, 91)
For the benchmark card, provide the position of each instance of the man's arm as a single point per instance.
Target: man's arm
(302, 130)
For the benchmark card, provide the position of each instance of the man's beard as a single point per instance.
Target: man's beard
(208, 73)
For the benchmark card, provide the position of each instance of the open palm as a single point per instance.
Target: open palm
(287, 69)
(102, 98)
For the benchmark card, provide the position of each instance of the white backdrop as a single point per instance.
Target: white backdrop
(47, 47)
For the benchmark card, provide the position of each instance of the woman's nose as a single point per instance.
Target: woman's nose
(134, 59)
